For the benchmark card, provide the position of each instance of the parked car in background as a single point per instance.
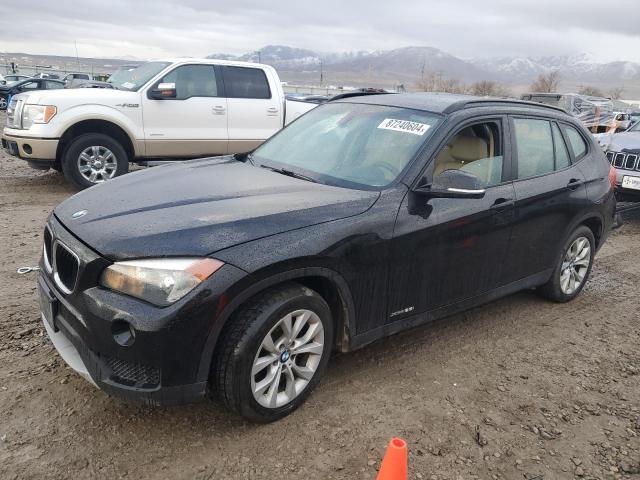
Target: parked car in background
(623, 121)
(595, 113)
(365, 217)
(28, 85)
(623, 151)
(168, 109)
(91, 84)
(53, 76)
(13, 78)
(70, 77)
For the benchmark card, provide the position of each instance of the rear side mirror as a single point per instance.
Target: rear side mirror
(163, 90)
(452, 184)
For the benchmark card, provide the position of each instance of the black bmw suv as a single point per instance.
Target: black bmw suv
(369, 215)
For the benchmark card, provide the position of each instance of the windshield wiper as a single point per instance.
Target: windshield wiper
(290, 173)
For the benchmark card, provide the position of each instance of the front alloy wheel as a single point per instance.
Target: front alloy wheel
(272, 352)
(287, 358)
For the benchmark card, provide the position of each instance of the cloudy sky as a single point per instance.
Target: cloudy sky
(466, 28)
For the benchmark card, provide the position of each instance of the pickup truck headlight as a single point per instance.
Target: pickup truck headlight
(37, 114)
(158, 281)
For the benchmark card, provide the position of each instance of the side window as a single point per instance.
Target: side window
(193, 81)
(578, 145)
(53, 85)
(534, 147)
(242, 82)
(477, 150)
(29, 86)
(562, 155)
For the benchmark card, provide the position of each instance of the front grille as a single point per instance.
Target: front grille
(624, 161)
(132, 374)
(48, 249)
(65, 267)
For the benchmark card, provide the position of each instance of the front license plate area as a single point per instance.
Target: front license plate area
(48, 305)
(631, 182)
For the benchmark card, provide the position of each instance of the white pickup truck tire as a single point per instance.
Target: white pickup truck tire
(94, 158)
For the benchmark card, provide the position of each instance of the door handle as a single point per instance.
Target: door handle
(502, 203)
(218, 110)
(272, 110)
(574, 183)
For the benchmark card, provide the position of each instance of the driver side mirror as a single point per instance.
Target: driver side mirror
(452, 184)
(162, 91)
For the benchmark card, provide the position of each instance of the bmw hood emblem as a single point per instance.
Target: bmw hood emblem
(79, 213)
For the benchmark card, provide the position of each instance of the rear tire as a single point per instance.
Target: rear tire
(572, 268)
(260, 371)
(94, 158)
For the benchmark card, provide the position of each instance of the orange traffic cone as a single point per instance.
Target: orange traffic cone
(394, 463)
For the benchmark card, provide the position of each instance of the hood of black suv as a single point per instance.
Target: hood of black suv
(199, 207)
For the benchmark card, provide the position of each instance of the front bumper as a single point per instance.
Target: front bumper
(163, 365)
(31, 149)
(626, 194)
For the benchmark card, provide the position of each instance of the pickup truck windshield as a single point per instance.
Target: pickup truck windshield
(132, 80)
(348, 144)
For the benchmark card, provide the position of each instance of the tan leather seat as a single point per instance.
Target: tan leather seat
(460, 151)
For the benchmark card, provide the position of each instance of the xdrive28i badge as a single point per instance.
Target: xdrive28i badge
(79, 213)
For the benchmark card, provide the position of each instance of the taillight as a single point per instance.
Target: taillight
(612, 176)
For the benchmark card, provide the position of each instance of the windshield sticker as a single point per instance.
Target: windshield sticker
(404, 126)
(128, 85)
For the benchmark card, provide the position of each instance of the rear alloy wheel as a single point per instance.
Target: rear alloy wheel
(273, 352)
(573, 268)
(3, 103)
(94, 158)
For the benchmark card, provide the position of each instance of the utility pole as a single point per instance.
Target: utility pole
(77, 58)
(259, 56)
(321, 73)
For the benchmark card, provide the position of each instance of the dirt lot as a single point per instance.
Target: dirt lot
(553, 390)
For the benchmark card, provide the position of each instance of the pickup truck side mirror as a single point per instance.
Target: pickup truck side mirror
(163, 91)
(451, 184)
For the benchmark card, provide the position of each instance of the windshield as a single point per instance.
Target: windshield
(347, 144)
(635, 127)
(135, 78)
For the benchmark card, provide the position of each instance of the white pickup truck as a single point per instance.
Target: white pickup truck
(177, 109)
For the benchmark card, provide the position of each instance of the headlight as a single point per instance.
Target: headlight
(159, 281)
(37, 114)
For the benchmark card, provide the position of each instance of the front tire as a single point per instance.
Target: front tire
(573, 267)
(94, 158)
(273, 353)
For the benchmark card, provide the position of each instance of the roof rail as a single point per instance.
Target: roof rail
(454, 107)
(356, 94)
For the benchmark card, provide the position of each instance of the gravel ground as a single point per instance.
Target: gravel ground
(519, 388)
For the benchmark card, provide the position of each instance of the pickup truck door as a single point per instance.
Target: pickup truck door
(192, 124)
(254, 104)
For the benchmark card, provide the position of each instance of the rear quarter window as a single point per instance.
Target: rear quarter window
(576, 142)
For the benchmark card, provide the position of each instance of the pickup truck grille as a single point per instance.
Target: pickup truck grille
(624, 161)
(14, 113)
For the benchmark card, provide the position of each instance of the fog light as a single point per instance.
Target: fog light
(27, 149)
(123, 333)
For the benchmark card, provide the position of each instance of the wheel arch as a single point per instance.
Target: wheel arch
(326, 282)
(104, 127)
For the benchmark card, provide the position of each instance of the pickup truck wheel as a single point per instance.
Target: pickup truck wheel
(94, 158)
(273, 353)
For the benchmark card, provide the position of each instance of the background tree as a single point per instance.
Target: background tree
(489, 88)
(616, 93)
(590, 90)
(546, 82)
(437, 82)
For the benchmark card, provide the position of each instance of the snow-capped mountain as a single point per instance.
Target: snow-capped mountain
(408, 64)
